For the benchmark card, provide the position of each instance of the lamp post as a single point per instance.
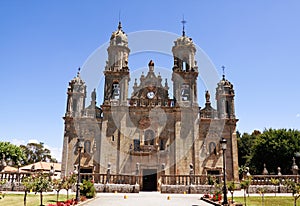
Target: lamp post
(223, 143)
(79, 147)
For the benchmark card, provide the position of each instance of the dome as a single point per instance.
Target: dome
(225, 83)
(77, 79)
(183, 40)
(119, 37)
(225, 86)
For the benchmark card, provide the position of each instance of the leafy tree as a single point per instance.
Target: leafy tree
(262, 191)
(275, 182)
(231, 187)
(245, 145)
(27, 182)
(11, 153)
(57, 186)
(294, 188)
(36, 152)
(245, 184)
(68, 183)
(41, 183)
(275, 148)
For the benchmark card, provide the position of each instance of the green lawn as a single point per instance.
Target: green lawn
(269, 201)
(32, 199)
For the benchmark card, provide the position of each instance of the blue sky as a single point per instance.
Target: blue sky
(44, 42)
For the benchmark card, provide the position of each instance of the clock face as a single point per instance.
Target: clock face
(150, 95)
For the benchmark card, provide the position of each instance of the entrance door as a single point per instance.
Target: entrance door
(149, 180)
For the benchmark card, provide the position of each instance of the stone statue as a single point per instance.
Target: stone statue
(207, 96)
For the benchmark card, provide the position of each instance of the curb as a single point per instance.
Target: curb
(210, 202)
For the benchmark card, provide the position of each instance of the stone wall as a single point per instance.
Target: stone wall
(268, 189)
(189, 189)
(121, 188)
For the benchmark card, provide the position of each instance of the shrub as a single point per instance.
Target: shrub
(87, 189)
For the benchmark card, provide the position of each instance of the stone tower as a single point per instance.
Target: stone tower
(185, 71)
(116, 69)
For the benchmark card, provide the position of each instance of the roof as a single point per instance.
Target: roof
(45, 166)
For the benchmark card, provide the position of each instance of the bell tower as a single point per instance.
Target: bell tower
(116, 69)
(76, 97)
(225, 99)
(185, 71)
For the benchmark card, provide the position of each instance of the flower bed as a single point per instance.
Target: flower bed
(70, 202)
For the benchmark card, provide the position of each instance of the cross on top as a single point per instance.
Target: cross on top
(223, 68)
(183, 22)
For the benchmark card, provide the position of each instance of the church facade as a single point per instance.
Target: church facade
(150, 127)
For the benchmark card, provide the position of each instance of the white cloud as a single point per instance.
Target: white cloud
(298, 115)
(55, 152)
(33, 141)
(17, 142)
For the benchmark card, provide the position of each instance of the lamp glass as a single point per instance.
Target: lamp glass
(223, 143)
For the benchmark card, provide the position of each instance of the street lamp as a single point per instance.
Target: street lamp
(79, 147)
(223, 143)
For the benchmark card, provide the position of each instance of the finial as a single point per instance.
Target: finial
(120, 25)
(265, 171)
(78, 72)
(183, 22)
(223, 68)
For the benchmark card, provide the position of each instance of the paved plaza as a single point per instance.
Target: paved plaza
(147, 199)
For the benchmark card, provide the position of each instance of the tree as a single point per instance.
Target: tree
(245, 184)
(11, 153)
(68, 183)
(275, 148)
(57, 186)
(275, 182)
(294, 188)
(231, 187)
(27, 182)
(36, 152)
(245, 145)
(41, 183)
(261, 191)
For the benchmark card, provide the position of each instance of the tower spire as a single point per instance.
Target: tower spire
(78, 72)
(223, 68)
(183, 22)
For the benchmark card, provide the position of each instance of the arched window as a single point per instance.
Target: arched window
(149, 137)
(118, 40)
(162, 144)
(115, 91)
(184, 66)
(185, 92)
(227, 109)
(87, 146)
(74, 106)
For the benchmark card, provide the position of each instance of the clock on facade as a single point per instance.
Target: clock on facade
(150, 95)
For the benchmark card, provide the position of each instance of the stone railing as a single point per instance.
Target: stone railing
(266, 179)
(189, 179)
(13, 176)
(111, 178)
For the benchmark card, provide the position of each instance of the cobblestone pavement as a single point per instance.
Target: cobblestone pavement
(147, 199)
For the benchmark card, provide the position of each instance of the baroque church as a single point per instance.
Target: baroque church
(150, 128)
